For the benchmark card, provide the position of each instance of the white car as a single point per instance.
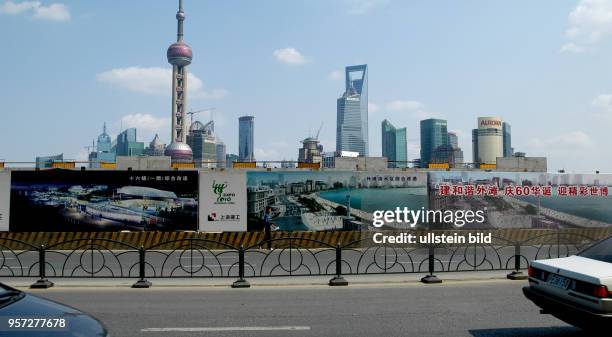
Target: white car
(576, 289)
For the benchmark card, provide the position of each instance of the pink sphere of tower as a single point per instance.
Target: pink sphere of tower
(179, 53)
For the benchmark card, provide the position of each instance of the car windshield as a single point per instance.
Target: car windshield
(601, 251)
(8, 295)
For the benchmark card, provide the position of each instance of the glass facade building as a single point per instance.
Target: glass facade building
(246, 138)
(433, 134)
(127, 144)
(507, 139)
(201, 139)
(394, 144)
(352, 112)
(220, 154)
(475, 146)
(103, 152)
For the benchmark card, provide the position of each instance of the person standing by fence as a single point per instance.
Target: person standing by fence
(268, 226)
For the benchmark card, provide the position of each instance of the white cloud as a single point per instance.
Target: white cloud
(602, 103)
(568, 139)
(155, 81)
(147, 125)
(289, 56)
(405, 106)
(267, 154)
(357, 7)
(373, 107)
(589, 23)
(416, 109)
(144, 122)
(335, 75)
(53, 12)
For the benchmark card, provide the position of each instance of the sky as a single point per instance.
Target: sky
(68, 67)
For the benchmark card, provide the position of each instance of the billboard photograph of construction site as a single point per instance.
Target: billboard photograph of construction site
(330, 200)
(70, 200)
(525, 199)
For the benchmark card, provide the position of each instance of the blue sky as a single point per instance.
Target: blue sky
(543, 66)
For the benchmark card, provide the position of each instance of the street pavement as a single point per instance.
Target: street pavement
(476, 308)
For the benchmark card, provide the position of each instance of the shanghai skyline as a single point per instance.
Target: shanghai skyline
(533, 69)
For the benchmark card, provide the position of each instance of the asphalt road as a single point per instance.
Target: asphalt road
(474, 308)
(206, 263)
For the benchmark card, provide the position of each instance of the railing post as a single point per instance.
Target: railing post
(431, 278)
(241, 282)
(142, 282)
(516, 274)
(338, 280)
(42, 282)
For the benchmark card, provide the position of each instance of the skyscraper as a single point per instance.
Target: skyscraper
(201, 139)
(310, 152)
(475, 157)
(433, 134)
(179, 56)
(156, 147)
(127, 145)
(507, 139)
(394, 144)
(352, 112)
(490, 140)
(453, 141)
(220, 154)
(103, 151)
(246, 138)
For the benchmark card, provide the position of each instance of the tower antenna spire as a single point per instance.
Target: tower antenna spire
(179, 56)
(180, 17)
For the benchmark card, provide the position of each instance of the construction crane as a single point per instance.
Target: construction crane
(191, 113)
(319, 131)
(90, 148)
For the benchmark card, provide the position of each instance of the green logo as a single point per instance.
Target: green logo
(219, 190)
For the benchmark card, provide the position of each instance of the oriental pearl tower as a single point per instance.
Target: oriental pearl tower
(179, 56)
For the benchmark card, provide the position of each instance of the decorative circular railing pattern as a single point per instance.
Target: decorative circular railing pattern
(195, 257)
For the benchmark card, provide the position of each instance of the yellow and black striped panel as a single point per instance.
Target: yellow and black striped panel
(178, 240)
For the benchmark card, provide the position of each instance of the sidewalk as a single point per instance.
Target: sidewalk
(280, 281)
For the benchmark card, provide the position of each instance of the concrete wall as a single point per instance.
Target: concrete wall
(522, 164)
(360, 163)
(143, 163)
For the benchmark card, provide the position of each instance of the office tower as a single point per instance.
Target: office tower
(433, 134)
(103, 151)
(220, 154)
(310, 151)
(47, 161)
(127, 144)
(453, 141)
(156, 147)
(246, 138)
(201, 139)
(475, 158)
(394, 144)
(179, 56)
(507, 139)
(443, 154)
(490, 140)
(352, 112)
(230, 158)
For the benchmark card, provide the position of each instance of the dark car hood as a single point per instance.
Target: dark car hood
(30, 306)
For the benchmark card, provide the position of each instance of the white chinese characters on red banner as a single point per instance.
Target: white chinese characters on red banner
(520, 190)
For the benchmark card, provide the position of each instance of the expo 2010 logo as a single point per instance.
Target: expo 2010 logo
(222, 196)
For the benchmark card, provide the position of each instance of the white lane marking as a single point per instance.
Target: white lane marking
(228, 328)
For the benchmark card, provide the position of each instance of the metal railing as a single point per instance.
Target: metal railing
(289, 256)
